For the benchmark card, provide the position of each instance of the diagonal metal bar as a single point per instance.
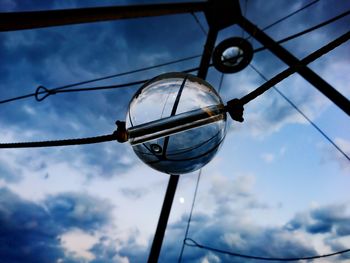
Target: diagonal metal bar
(244, 100)
(10, 21)
(163, 219)
(173, 112)
(283, 54)
(291, 70)
(207, 52)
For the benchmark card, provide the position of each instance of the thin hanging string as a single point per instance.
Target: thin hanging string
(289, 71)
(221, 80)
(291, 37)
(303, 114)
(42, 90)
(190, 216)
(192, 243)
(287, 16)
(199, 23)
(244, 100)
(195, 193)
(127, 72)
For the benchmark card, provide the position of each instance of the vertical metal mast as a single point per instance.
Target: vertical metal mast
(173, 180)
(219, 14)
(163, 219)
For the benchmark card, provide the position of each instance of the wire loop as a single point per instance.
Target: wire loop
(41, 90)
(190, 242)
(308, 30)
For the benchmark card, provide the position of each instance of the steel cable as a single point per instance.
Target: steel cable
(55, 90)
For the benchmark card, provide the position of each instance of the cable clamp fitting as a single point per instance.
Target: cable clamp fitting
(121, 132)
(235, 109)
(42, 90)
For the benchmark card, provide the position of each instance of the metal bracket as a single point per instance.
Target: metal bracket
(222, 13)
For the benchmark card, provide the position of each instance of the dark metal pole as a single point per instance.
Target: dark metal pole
(29, 20)
(170, 192)
(289, 71)
(207, 52)
(319, 83)
(163, 219)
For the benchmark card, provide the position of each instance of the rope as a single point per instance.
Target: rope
(303, 114)
(190, 217)
(308, 30)
(195, 194)
(289, 71)
(192, 243)
(54, 91)
(199, 23)
(42, 90)
(288, 16)
(65, 142)
(244, 100)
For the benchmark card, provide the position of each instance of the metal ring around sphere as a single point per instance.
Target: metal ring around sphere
(236, 42)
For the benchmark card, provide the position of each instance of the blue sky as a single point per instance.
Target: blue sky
(275, 188)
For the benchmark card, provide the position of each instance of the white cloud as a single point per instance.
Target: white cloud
(334, 68)
(82, 169)
(29, 110)
(210, 258)
(330, 153)
(268, 157)
(77, 243)
(340, 158)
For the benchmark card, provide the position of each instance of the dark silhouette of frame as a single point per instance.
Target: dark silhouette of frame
(219, 14)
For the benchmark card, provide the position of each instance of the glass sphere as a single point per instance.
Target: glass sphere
(170, 100)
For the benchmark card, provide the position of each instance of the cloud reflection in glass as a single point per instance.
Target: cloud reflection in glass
(176, 123)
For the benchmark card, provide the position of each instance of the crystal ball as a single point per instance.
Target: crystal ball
(176, 123)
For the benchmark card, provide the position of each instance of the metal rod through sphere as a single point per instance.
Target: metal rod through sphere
(175, 124)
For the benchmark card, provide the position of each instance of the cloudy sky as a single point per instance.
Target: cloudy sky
(276, 188)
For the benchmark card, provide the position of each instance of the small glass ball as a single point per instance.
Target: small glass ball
(164, 98)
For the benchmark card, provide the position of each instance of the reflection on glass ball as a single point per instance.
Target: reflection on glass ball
(170, 100)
